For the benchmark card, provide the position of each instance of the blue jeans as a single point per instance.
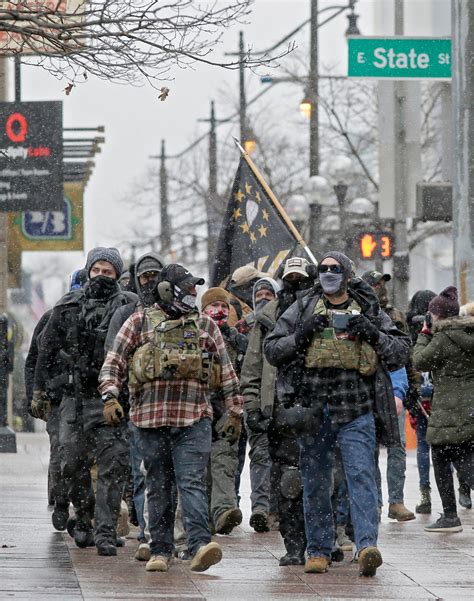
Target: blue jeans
(396, 467)
(178, 455)
(357, 443)
(138, 480)
(422, 451)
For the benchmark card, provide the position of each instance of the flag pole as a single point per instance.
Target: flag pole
(276, 203)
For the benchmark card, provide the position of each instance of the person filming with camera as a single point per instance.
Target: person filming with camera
(335, 347)
(445, 347)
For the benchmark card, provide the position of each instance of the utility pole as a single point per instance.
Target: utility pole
(242, 97)
(463, 146)
(164, 217)
(212, 213)
(313, 92)
(401, 261)
(7, 435)
(4, 81)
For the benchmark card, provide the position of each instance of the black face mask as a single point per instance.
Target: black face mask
(101, 286)
(148, 293)
(289, 286)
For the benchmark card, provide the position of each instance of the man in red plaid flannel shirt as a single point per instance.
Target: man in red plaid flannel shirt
(173, 413)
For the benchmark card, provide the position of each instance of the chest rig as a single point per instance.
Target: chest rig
(326, 350)
(173, 352)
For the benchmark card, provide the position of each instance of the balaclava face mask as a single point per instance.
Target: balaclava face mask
(148, 292)
(334, 283)
(101, 287)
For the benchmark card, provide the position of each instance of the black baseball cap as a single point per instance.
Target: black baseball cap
(177, 274)
(374, 277)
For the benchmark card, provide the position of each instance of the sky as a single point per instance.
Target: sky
(135, 120)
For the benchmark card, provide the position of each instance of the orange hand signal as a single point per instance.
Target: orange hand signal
(367, 246)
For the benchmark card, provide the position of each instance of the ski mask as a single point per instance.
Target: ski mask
(101, 287)
(334, 282)
(148, 292)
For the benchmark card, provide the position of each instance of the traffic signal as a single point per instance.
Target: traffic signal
(375, 244)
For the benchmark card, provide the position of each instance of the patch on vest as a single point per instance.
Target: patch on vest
(189, 334)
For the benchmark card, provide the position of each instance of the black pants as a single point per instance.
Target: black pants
(462, 457)
(57, 489)
(284, 452)
(79, 447)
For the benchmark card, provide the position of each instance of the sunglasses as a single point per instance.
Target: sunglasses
(331, 268)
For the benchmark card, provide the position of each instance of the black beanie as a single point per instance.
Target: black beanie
(342, 259)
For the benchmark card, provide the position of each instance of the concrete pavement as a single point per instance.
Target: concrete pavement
(37, 563)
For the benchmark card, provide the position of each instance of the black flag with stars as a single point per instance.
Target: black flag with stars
(253, 232)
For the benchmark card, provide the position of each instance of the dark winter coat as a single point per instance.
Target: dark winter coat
(66, 345)
(32, 357)
(236, 345)
(392, 349)
(449, 356)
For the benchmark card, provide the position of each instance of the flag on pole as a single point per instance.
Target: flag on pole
(256, 230)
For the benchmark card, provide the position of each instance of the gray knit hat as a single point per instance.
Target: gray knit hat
(101, 253)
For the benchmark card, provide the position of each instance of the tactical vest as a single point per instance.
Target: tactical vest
(326, 350)
(173, 353)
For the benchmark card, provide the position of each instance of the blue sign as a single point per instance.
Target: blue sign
(48, 225)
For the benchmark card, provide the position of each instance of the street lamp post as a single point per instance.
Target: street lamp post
(164, 217)
(313, 93)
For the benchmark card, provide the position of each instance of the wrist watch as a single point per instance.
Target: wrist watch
(107, 396)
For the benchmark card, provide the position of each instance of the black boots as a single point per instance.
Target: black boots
(424, 505)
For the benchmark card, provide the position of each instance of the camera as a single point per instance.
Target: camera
(340, 321)
(429, 320)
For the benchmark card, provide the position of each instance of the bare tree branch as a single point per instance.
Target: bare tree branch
(120, 40)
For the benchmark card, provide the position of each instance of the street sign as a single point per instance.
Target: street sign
(52, 230)
(48, 225)
(399, 57)
(375, 244)
(31, 156)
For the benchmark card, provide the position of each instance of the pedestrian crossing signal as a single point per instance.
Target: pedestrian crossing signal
(373, 245)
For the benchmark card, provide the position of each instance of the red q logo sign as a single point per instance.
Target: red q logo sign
(16, 127)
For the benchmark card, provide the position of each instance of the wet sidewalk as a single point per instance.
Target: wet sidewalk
(37, 563)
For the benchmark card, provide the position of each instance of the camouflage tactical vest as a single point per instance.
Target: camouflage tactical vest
(326, 350)
(173, 353)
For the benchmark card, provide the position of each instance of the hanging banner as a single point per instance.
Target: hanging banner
(31, 156)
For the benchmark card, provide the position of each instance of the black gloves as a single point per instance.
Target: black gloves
(364, 329)
(309, 327)
(256, 421)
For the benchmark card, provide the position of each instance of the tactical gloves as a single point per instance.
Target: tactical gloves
(40, 405)
(256, 421)
(113, 412)
(232, 428)
(364, 329)
(309, 327)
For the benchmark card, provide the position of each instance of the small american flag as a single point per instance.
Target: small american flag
(38, 306)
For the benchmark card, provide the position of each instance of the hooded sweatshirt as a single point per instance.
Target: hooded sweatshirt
(273, 284)
(123, 313)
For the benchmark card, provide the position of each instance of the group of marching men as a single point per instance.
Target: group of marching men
(142, 390)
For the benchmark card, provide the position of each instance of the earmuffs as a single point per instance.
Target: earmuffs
(165, 291)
